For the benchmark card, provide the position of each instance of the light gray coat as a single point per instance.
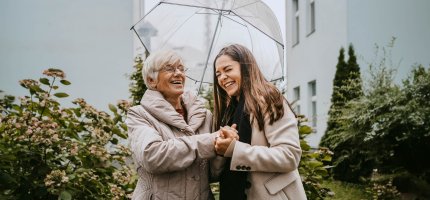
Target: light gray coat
(170, 154)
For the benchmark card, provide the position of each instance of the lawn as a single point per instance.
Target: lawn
(343, 190)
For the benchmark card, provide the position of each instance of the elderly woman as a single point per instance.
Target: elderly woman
(169, 134)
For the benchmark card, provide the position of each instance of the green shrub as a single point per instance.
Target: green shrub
(51, 152)
(387, 129)
(313, 165)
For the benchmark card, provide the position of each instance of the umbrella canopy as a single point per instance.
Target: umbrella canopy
(198, 29)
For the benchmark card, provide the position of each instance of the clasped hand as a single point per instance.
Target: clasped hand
(226, 136)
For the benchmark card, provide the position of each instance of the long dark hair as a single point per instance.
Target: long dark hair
(262, 98)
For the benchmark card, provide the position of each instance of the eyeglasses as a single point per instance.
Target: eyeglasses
(172, 69)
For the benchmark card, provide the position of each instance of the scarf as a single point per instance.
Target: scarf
(233, 183)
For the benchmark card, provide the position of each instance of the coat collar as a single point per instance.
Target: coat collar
(154, 102)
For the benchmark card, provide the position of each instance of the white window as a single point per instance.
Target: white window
(296, 102)
(296, 27)
(311, 17)
(312, 86)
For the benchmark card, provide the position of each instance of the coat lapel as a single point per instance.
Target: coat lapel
(158, 107)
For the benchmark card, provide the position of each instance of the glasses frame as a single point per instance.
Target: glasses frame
(172, 69)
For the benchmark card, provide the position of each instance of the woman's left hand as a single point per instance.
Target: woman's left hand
(227, 135)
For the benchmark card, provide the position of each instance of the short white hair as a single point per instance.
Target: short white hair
(155, 62)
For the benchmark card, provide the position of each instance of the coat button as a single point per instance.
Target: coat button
(238, 167)
(247, 185)
(248, 168)
(243, 168)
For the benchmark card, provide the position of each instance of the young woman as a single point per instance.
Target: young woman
(263, 163)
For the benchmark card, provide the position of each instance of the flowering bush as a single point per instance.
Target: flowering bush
(51, 152)
(381, 187)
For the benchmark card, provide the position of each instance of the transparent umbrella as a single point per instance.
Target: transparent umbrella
(198, 29)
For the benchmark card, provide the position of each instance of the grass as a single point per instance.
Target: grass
(347, 191)
(342, 190)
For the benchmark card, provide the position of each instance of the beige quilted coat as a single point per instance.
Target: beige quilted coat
(171, 155)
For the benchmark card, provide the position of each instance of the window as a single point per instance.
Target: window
(313, 103)
(311, 17)
(296, 27)
(313, 88)
(296, 102)
(314, 113)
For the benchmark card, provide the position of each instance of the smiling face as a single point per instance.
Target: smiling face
(227, 72)
(170, 80)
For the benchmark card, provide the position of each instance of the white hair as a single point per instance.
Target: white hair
(155, 62)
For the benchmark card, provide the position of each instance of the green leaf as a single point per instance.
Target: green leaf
(65, 82)
(305, 130)
(315, 164)
(304, 145)
(77, 112)
(114, 141)
(16, 107)
(116, 119)
(118, 132)
(123, 136)
(65, 195)
(61, 95)
(123, 126)
(36, 88)
(113, 108)
(45, 81)
(54, 87)
(327, 158)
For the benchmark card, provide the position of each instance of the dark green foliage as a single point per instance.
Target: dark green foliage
(137, 85)
(388, 129)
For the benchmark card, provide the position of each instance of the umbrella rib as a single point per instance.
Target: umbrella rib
(280, 43)
(210, 50)
(246, 5)
(234, 20)
(196, 81)
(132, 28)
(195, 6)
(146, 15)
(280, 78)
(249, 33)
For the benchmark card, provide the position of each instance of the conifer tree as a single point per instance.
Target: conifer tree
(336, 98)
(346, 86)
(354, 79)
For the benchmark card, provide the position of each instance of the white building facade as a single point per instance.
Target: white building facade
(317, 29)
